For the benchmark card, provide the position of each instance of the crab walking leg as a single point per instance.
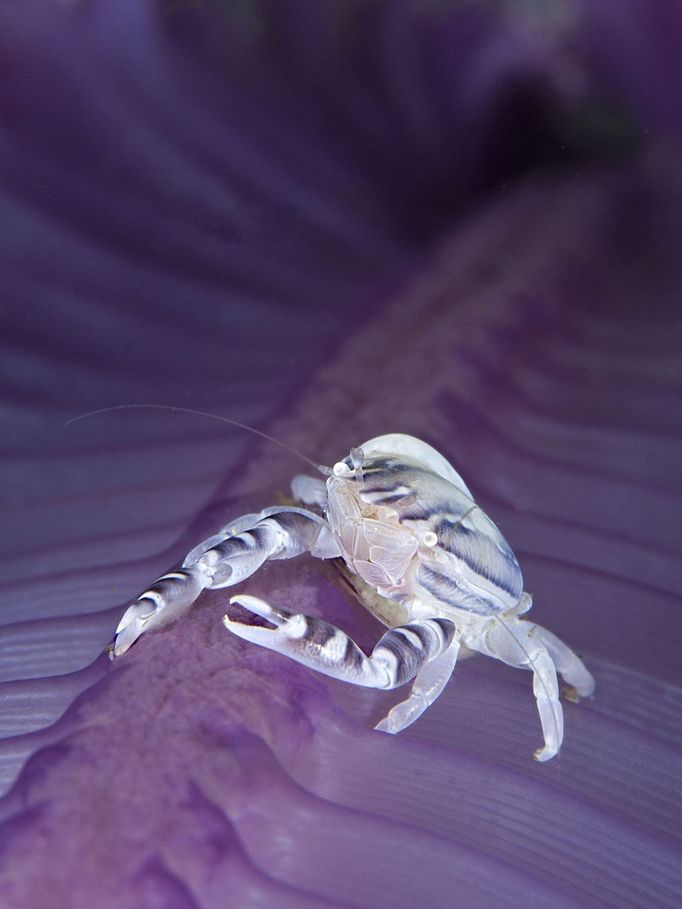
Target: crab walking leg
(546, 691)
(567, 663)
(520, 644)
(428, 684)
(396, 659)
(222, 560)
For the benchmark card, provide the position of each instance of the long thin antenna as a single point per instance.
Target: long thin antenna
(325, 471)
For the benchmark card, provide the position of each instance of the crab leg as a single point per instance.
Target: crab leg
(528, 646)
(568, 664)
(428, 685)
(224, 559)
(400, 655)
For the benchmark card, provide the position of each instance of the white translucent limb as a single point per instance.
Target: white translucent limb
(396, 659)
(222, 560)
(568, 664)
(546, 691)
(528, 646)
(428, 685)
(309, 490)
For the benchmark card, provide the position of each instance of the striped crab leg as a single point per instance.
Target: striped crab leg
(424, 650)
(224, 559)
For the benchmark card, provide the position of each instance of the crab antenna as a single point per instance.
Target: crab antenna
(325, 471)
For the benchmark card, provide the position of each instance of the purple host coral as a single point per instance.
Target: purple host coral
(334, 220)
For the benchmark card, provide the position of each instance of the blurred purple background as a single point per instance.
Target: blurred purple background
(331, 220)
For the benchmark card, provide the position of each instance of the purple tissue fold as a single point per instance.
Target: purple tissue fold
(334, 220)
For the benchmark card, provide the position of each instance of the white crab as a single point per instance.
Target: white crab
(426, 561)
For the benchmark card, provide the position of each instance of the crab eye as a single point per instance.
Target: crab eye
(429, 538)
(341, 469)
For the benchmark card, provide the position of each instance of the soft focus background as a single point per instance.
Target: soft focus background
(330, 220)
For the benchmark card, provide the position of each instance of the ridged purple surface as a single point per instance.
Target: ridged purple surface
(336, 220)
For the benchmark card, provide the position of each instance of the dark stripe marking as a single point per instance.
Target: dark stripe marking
(447, 590)
(353, 657)
(318, 631)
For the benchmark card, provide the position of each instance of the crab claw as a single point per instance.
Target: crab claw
(287, 625)
(167, 599)
(130, 627)
(259, 607)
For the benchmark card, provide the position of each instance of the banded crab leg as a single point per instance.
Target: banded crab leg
(428, 685)
(424, 650)
(224, 559)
